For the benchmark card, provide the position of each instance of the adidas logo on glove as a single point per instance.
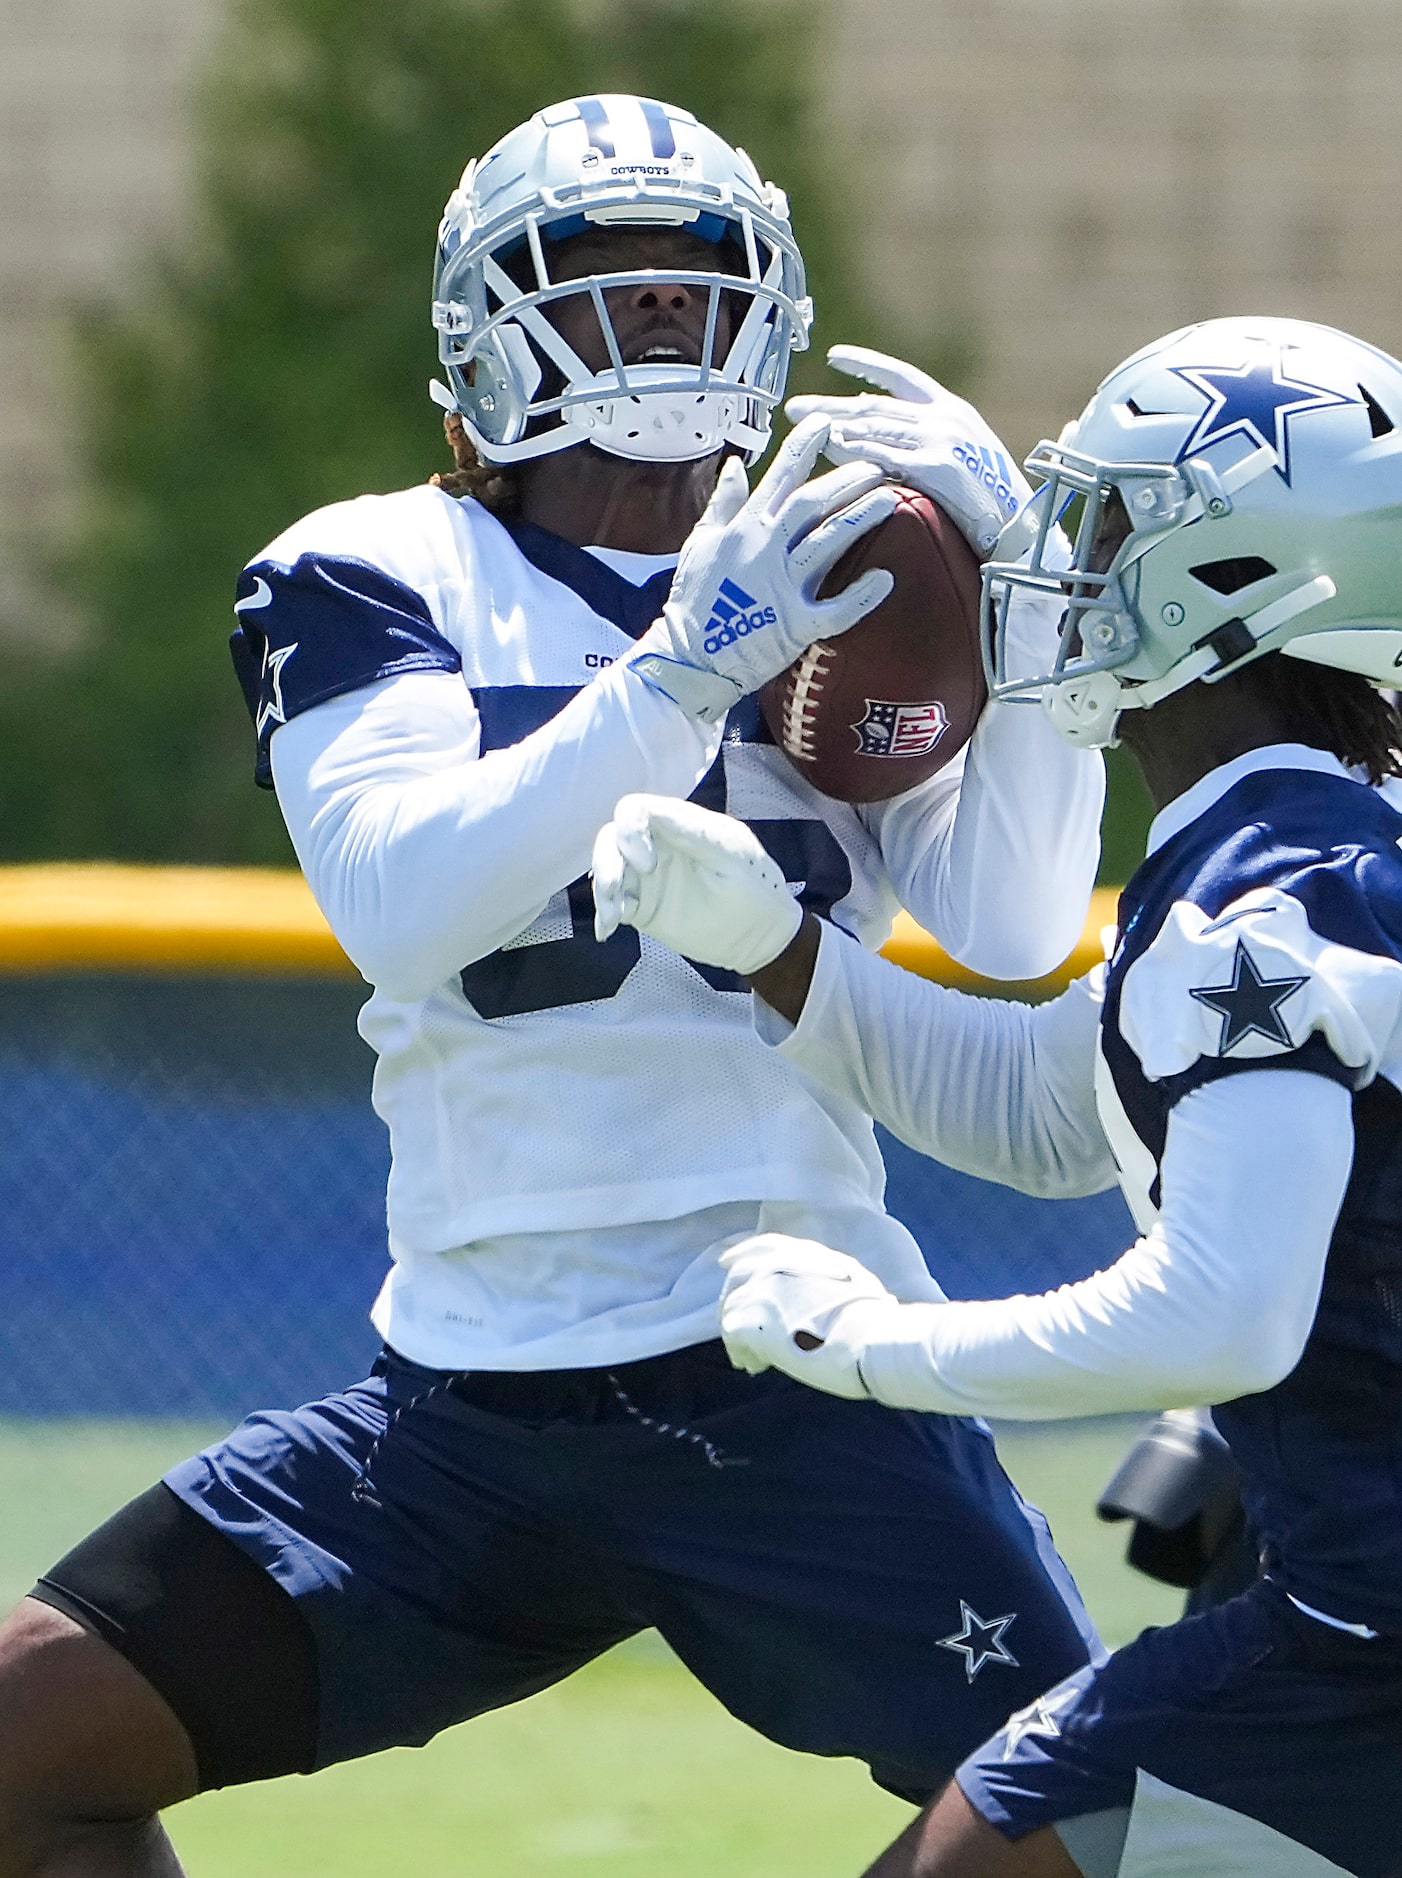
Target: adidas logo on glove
(993, 473)
(734, 614)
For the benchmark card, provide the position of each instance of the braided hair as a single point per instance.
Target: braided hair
(497, 486)
(1330, 710)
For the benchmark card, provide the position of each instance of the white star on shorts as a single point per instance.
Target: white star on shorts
(980, 1641)
(1038, 1718)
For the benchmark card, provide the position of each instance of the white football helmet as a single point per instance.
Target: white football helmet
(612, 161)
(1242, 490)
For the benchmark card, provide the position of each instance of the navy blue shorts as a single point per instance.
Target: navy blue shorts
(846, 1578)
(1251, 1706)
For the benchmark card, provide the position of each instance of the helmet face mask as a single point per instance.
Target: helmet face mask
(597, 164)
(1255, 481)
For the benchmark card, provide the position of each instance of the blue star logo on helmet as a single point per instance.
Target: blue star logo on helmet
(1256, 401)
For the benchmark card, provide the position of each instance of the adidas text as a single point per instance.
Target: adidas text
(725, 632)
(734, 615)
(994, 475)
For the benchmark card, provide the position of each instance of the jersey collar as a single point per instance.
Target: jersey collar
(602, 589)
(1176, 816)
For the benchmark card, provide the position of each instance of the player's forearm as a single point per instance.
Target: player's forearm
(1002, 1090)
(1217, 1301)
(1009, 894)
(785, 982)
(1112, 1344)
(423, 856)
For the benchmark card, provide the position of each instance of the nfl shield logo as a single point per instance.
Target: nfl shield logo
(900, 729)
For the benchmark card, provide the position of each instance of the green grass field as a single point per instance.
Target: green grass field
(629, 1768)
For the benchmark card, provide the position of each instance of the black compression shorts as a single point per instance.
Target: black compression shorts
(213, 1633)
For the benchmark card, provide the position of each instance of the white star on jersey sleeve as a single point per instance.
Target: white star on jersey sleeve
(1255, 984)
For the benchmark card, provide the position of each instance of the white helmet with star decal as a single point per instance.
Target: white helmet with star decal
(1241, 492)
(613, 161)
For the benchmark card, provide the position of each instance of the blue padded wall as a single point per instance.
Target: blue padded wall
(192, 1199)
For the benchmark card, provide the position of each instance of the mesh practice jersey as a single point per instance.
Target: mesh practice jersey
(439, 698)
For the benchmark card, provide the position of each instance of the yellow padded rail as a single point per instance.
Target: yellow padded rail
(196, 920)
(252, 921)
(911, 946)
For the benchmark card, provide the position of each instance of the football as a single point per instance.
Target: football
(880, 708)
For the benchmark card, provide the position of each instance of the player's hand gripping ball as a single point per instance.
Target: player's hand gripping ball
(800, 1307)
(754, 586)
(917, 432)
(871, 714)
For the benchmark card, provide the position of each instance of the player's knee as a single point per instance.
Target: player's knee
(88, 1749)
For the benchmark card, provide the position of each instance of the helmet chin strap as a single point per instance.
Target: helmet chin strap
(664, 426)
(1087, 710)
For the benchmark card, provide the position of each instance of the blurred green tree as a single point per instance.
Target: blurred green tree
(1128, 812)
(279, 361)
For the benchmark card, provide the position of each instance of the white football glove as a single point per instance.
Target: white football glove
(798, 1306)
(741, 607)
(925, 437)
(698, 881)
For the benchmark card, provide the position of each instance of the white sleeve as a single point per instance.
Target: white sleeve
(996, 856)
(425, 856)
(1002, 1090)
(1215, 1302)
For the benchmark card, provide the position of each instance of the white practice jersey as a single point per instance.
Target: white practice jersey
(574, 1126)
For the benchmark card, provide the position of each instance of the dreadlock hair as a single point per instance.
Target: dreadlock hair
(497, 486)
(1330, 710)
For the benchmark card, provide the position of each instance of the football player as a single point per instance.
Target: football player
(1233, 604)
(452, 686)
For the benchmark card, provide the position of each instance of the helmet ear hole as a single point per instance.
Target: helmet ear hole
(1230, 576)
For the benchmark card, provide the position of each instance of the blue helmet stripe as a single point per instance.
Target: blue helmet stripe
(659, 126)
(596, 122)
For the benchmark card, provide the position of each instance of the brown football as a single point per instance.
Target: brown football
(880, 708)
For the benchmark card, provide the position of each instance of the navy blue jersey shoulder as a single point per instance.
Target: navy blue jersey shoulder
(328, 624)
(1322, 1451)
(325, 626)
(1329, 842)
